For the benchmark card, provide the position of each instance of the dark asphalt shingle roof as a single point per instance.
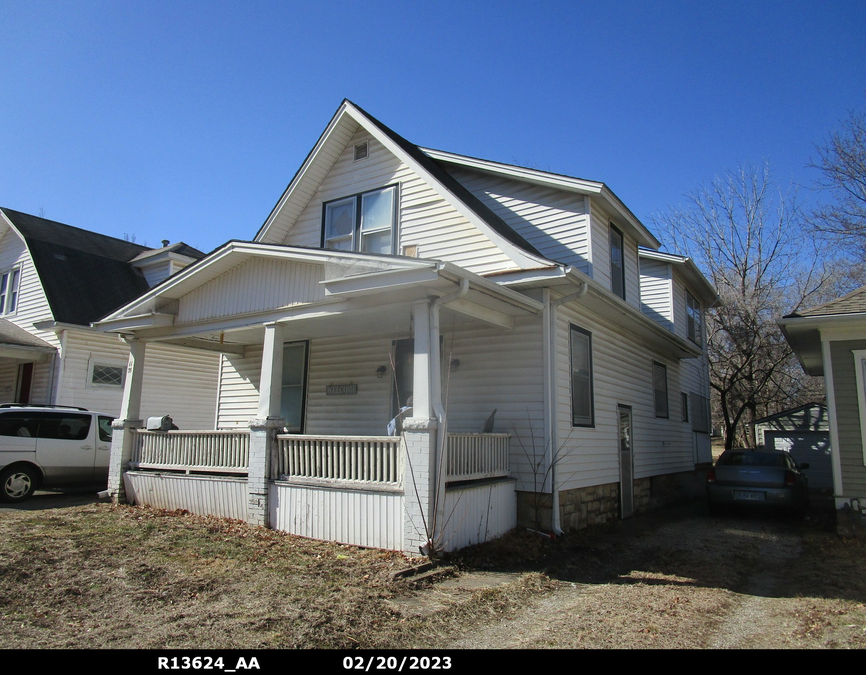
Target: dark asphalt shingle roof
(852, 303)
(85, 275)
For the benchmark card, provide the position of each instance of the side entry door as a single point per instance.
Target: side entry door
(626, 462)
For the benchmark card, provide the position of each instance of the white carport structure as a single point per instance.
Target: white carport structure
(394, 492)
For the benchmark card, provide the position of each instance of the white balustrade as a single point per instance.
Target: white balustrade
(221, 451)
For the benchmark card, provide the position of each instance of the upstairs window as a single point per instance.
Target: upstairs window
(365, 222)
(660, 389)
(617, 263)
(9, 291)
(693, 318)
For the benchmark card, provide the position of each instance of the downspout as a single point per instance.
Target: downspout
(436, 400)
(552, 306)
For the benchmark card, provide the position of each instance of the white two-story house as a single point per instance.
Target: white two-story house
(55, 280)
(538, 360)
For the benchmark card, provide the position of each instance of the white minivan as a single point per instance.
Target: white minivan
(51, 446)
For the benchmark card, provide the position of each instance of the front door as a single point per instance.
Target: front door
(294, 385)
(626, 462)
(404, 371)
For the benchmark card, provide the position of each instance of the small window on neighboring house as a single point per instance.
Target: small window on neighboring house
(361, 151)
(109, 376)
(364, 222)
(684, 400)
(617, 263)
(660, 387)
(693, 318)
(582, 405)
(9, 282)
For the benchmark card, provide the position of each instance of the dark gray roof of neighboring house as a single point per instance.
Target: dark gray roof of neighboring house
(180, 248)
(11, 334)
(85, 275)
(852, 303)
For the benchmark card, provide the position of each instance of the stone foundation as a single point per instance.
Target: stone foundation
(599, 504)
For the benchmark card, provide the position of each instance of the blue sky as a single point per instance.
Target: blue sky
(186, 120)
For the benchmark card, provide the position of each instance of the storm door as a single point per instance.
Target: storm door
(626, 462)
(294, 385)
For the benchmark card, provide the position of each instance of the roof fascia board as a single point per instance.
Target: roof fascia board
(302, 171)
(378, 281)
(823, 321)
(524, 174)
(455, 273)
(58, 326)
(580, 185)
(256, 249)
(137, 322)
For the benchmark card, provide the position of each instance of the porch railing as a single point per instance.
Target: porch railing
(368, 459)
(477, 456)
(200, 451)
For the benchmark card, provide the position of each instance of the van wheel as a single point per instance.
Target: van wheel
(17, 484)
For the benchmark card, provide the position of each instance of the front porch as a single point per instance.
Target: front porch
(351, 489)
(309, 382)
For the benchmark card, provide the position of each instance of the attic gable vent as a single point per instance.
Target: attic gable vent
(361, 151)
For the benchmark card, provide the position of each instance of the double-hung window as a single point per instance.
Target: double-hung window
(617, 263)
(582, 406)
(9, 281)
(660, 389)
(364, 222)
(693, 318)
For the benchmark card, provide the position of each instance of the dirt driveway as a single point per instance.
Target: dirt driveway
(683, 579)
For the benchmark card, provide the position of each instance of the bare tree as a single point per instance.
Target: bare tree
(751, 239)
(843, 164)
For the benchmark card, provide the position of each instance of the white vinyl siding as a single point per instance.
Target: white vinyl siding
(600, 255)
(623, 375)
(178, 382)
(553, 221)
(656, 292)
(424, 218)
(256, 285)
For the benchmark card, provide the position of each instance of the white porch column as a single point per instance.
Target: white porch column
(419, 435)
(122, 436)
(264, 428)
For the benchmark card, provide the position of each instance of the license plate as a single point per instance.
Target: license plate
(747, 496)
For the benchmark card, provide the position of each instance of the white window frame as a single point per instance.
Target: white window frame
(684, 402)
(10, 285)
(95, 362)
(619, 274)
(356, 238)
(860, 376)
(585, 421)
(667, 400)
(694, 319)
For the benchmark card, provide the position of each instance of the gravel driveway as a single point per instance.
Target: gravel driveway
(683, 579)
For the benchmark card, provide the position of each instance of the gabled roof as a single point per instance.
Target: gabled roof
(698, 283)
(553, 180)
(852, 303)
(84, 274)
(342, 126)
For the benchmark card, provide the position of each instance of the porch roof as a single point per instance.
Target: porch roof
(223, 301)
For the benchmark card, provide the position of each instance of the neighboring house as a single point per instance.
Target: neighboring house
(486, 296)
(54, 281)
(804, 432)
(830, 340)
